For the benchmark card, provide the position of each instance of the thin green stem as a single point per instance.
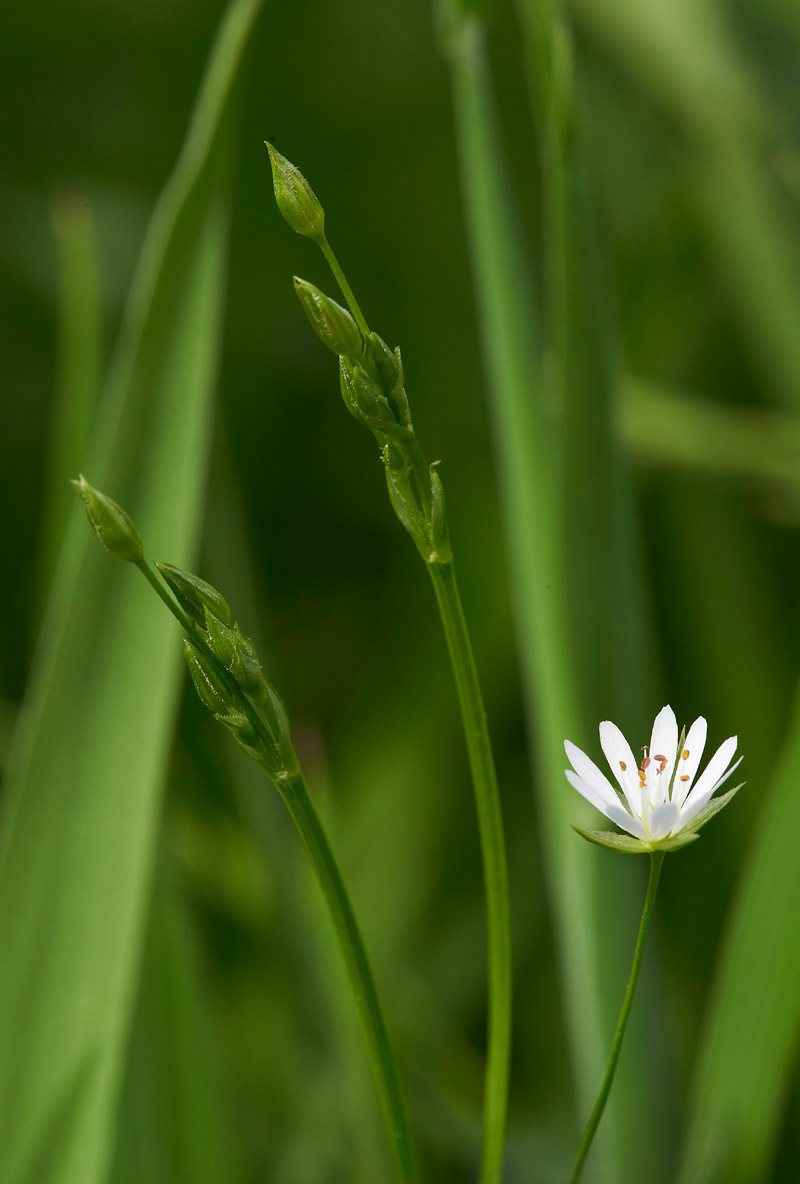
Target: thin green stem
(169, 600)
(656, 861)
(490, 824)
(341, 280)
(294, 792)
(296, 796)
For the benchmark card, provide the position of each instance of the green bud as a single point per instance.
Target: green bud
(332, 324)
(246, 667)
(194, 594)
(387, 366)
(295, 197)
(221, 639)
(364, 398)
(211, 688)
(115, 530)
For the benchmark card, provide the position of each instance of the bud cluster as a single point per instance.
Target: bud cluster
(370, 377)
(227, 673)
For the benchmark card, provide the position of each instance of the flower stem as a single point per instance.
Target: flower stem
(295, 794)
(656, 860)
(341, 280)
(294, 791)
(490, 825)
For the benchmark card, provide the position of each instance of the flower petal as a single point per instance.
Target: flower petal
(622, 762)
(716, 767)
(700, 795)
(663, 747)
(664, 819)
(589, 772)
(694, 744)
(613, 810)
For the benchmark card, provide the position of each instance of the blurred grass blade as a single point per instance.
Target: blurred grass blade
(606, 617)
(172, 1120)
(527, 445)
(684, 56)
(752, 1026)
(77, 371)
(82, 792)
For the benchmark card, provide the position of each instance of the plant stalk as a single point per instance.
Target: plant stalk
(656, 861)
(490, 825)
(296, 796)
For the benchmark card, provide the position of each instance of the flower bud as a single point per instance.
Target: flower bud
(194, 594)
(295, 197)
(332, 324)
(221, 639)
(363, 397)
(211, 689)
(110, 523)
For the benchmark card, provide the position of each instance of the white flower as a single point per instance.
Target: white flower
(658, 803)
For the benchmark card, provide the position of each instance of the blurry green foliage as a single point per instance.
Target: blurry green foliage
(689, 151)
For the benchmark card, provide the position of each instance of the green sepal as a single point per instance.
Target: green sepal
(296, 199)
(195, 595)
(711, 808)
(628, 845)
(332, 324)
(112, 525)
(211, 689)
(439, 529)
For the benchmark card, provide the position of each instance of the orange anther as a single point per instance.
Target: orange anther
(685, 754)
(685, 777)
(623, 766)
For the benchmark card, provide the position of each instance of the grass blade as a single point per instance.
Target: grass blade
(82, 791)
(751, 1034)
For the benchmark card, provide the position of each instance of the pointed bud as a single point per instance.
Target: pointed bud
(246, 667)
(212, 690)
(221, 639)
(387, 366)
(295, 197)
(332, 324)
(194, 594)
(115, 530)
(363, 397)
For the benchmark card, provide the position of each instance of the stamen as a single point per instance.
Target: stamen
(623, 766)
(662, 761)
(645, 762)
(685, 777)
(685, 754)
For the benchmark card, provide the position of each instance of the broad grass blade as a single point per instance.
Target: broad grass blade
(752, 1028)
(173, 1123)
(82, 793)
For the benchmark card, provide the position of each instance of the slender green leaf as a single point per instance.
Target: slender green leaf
(172, 1123)
(752, 1027)
(83, 784)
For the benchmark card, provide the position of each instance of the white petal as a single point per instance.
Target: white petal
(694, 744)
(612, 810)
(664, 819)
(663, 746)
(618, 753)
(707, 781)
(588, 771)
(702, 794)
